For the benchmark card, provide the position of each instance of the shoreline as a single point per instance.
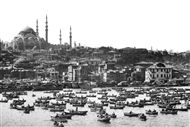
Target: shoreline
(17, 90)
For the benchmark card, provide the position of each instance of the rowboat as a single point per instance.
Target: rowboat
(104, 119)
(58, 119)
(149, 112)
(131, 114)
(169, 112)
(74, 112)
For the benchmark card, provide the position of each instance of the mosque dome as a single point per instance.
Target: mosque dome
(27, 30)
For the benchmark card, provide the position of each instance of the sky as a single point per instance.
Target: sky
(160, 24)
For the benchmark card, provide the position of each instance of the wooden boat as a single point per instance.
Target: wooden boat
(113, 115)
(162, 105)
(74, 112)
(117, 107)
(31, 108)
(58, 104)
(135, 105)
(26, 110)
(131, 114)
(104, 119)
(142, 117)
(178, 109)
(149, 112)
(168, 112)
(58, 119)
(57, 109)
(63, 115)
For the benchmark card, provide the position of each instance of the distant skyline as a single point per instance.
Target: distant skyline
(160, 24)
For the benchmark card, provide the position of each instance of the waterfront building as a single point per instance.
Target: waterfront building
(158, 71)
(73, 72)
(115, 75)
(138, 74)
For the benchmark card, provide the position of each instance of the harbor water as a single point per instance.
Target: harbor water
(41, 118)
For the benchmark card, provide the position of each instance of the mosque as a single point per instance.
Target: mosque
(28, 39)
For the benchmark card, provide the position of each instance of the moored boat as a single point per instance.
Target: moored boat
(113, 115)
(131, 114)
(58, 119)
(74, 112)
(142, 117)
(104, 118)
(149, 112)
(168, 112)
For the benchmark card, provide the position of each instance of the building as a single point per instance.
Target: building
(27, 38)
(72, 72)
(138, 74)
(158, 71)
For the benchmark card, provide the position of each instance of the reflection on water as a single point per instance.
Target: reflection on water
(41, 118)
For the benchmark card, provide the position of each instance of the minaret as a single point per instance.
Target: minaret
(46, 29)
(75, 44)
(37, 33)
(60, 37)
(70, 38)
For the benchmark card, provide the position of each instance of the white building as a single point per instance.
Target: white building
(158, 71)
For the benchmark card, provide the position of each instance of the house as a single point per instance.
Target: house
(158, 71)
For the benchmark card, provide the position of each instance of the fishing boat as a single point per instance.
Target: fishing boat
(104, 118)
(26, 110)
(113, 115)
(168, 112)
(117, 107)
(134, 105)
(142, 117)
(75, 112)
(162, 105)
(63, 115)
(58, 119)
(57, 109)
(149, 112)
(131, 114)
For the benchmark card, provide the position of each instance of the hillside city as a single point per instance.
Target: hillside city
(30, 60)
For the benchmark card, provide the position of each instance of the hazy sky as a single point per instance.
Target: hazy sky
(162, 24)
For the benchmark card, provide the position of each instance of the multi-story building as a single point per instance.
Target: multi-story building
(158, 71)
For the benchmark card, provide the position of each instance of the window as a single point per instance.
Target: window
(161, 75)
